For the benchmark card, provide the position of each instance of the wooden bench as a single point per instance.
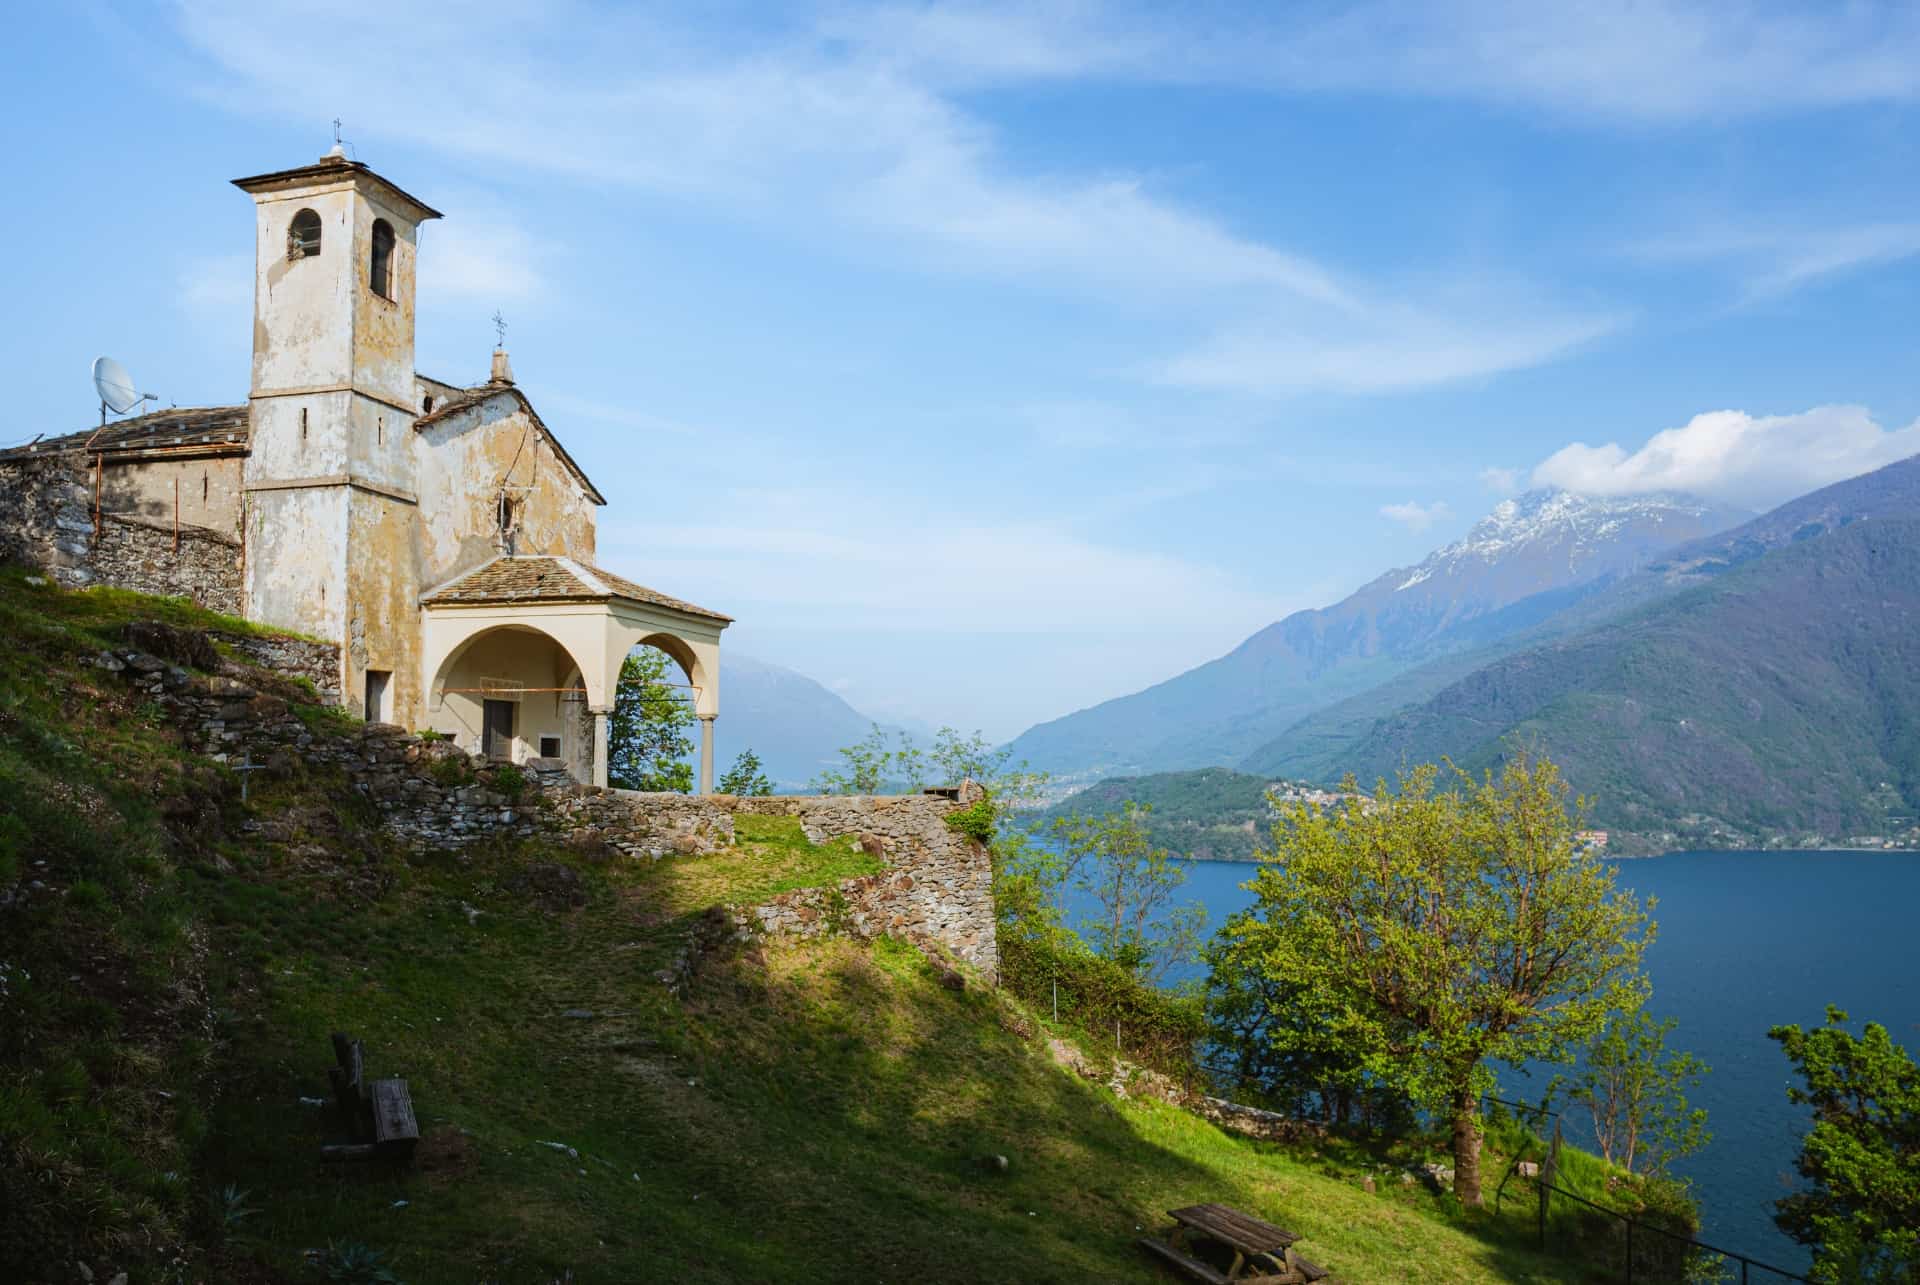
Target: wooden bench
(1263, 1254)
(379, 1116)
(1182, 1260)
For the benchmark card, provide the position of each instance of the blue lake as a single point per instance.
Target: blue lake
(1747, 940)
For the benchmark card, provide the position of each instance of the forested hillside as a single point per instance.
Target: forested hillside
(1779, 701)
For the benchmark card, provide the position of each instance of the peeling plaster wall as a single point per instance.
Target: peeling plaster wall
(301, 307)
(209, 491)
(383, 326)
(383, 611)
(462, 462)
(297, 560)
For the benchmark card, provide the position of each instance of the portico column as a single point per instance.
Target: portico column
(706, 753)
(600, 746)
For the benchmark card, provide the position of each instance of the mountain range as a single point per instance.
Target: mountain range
(1753, 685)
(793, 724)
(1532, 557)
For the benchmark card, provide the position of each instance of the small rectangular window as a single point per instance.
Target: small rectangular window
(303, 425)
(549, 747)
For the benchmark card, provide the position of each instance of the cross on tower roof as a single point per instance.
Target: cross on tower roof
(499, 329)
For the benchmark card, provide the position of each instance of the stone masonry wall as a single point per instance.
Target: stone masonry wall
(46, 519)
(936, 888)
(317, 662)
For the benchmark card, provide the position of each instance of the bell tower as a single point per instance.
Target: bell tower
(331, 406)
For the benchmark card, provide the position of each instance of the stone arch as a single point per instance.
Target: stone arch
(485, 666)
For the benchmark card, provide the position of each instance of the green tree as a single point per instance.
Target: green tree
(1635, 1088)
(1276, 1040)
(647, 740)
(1444, 930)
(1862, 1156)
(745, 778)
(1140, 926)
(864, 767)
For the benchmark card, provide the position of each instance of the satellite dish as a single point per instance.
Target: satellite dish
(115, 385)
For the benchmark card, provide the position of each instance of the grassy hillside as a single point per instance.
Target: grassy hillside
(1781, 700)
(172, 960)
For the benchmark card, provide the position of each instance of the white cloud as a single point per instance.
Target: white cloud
(848, 128)
(1658, 60)
(1755, 461)
(1393, 350)
(856, 561)
(1504, 481)
(1414, 515)
(1774, 261)
(486, 260)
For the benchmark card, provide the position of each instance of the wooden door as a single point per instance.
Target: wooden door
(496, 729)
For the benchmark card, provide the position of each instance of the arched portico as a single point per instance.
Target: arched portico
(526, 614)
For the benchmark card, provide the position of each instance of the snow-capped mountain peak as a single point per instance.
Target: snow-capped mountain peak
(1569, 531)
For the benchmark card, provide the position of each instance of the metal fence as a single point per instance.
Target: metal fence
(1647, 1252)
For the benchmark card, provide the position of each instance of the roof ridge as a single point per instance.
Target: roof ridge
(592, 577)
(470, 571)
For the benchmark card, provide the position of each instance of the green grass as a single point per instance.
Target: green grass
(802, 1112)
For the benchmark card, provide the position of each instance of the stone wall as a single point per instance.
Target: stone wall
(936, 888)
(46, 519)
(317, 662)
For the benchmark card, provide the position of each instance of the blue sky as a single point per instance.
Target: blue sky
(990, 360)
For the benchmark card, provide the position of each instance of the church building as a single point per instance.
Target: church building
(439, 535)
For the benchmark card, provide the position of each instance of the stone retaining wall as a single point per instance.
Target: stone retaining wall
(317, 662)
(936, 888)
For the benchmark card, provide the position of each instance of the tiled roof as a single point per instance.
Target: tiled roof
(513, 578)
(208, 427)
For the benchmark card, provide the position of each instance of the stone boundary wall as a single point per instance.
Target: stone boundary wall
(936, 888)
(317, 662)
(46, 519)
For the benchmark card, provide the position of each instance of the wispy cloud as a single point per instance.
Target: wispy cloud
(483, 259)
(1501, 481)
(1654, 61)
(1393, 349)
(1773, 261)
(1416, 516)
(850, 558)
(849, 127)
(1756, 461)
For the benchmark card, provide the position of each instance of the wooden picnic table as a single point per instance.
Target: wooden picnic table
(1256, 1244)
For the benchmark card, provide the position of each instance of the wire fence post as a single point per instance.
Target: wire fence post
(1549, 1171)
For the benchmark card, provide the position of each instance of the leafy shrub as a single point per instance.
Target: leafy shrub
(509, 780)
(1157, 1028)
(975, 821)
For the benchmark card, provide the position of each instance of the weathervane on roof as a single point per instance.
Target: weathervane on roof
(499, 329)
(336, 131)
